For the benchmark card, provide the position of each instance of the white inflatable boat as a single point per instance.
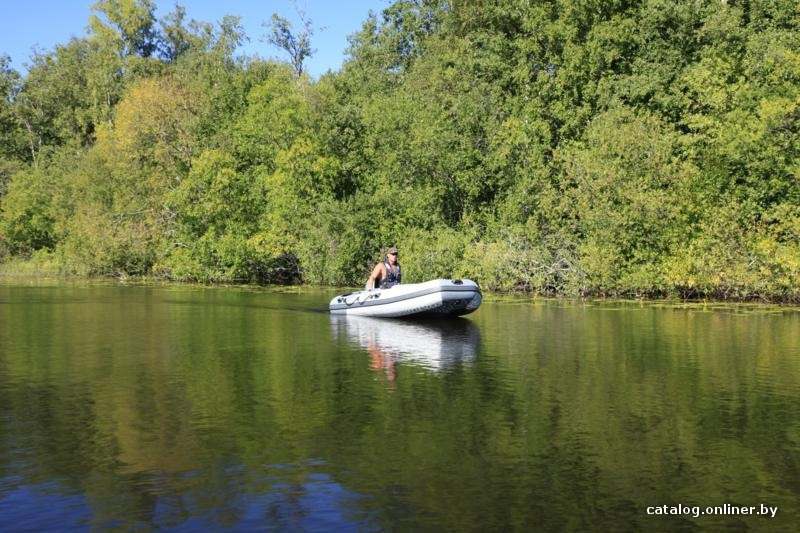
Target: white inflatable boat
(438, 297)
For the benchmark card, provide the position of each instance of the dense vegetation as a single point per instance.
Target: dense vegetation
(607, 147)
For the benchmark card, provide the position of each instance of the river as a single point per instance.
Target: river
(185, 408)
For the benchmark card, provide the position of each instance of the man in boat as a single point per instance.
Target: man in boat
(387, 273)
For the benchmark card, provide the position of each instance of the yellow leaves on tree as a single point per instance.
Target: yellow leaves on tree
(153, 131)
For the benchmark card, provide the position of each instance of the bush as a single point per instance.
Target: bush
(27, 219)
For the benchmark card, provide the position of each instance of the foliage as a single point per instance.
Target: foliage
(298, 46)
(132, 22)
(28, 220)
(610, 148)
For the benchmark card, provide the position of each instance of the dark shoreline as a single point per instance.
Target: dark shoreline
(654, 297)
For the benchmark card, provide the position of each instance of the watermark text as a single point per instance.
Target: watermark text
(727, 509)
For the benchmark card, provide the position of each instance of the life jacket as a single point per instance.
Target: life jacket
(393, 276)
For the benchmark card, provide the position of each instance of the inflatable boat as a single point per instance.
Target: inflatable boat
(438, 297)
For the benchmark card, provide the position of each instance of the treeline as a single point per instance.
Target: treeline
(583, 147)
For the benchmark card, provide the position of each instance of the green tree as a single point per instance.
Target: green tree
(27, 219)
(297, 45)
(12, 141)
(131, 22)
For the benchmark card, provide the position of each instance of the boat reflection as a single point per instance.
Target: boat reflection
(432, 344)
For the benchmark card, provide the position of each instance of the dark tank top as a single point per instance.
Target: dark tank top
(393, 276)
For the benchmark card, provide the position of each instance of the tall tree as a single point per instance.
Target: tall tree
(133, 21)
(298, 45)
(11, 133)
(179, 36)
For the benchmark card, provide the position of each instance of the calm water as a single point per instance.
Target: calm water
(193, 408)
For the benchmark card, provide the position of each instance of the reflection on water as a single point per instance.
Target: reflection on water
(190, 408)
(431, 344)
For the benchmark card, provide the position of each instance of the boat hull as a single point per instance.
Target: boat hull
(439, 297)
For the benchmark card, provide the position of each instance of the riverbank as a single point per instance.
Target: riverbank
(33, 271)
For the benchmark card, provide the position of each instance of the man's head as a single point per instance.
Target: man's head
(391, 253)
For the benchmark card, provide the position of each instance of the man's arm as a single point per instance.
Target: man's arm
(377, 274)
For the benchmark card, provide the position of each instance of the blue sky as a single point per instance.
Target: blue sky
(45, 23)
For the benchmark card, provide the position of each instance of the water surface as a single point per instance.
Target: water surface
(189, 408)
